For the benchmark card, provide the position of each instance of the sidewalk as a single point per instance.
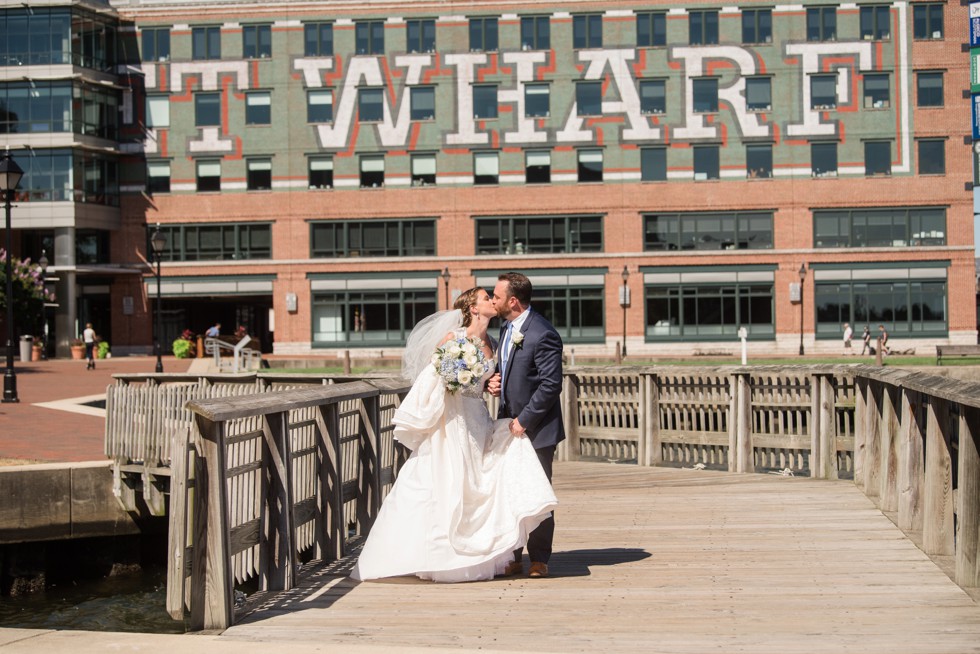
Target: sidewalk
(39, 434)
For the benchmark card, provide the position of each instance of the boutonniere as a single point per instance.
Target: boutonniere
(516, 340)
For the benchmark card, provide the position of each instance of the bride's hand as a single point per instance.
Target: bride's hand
(493, 384)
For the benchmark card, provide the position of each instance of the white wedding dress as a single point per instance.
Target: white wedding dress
(467, 497)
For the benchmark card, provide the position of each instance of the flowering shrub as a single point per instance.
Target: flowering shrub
(29, 292)
(182, 348)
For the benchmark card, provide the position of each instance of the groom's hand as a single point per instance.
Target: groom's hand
(493, 385)
(516, 429)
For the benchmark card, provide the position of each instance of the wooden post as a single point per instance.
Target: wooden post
(745, 455)
(816, 452)
(573, 449)
(369, 468)
(968, 500)
(910, 465)
(280, 552)
(889, 456)
(733, 417)
(346, 362)
(641, 418)
(937, 525)
(332, 480)
(823, 427)
(860, 430)
(873, 418)
(653, 448)
(177, 532)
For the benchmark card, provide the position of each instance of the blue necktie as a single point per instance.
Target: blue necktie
(505, 349)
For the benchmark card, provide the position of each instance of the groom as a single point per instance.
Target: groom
(530, 385)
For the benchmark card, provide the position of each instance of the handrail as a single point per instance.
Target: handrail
(242, 358)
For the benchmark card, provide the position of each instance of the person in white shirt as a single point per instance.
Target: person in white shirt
(848, 334)
(90, 339)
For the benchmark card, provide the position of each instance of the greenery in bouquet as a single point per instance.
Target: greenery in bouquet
(460, 363)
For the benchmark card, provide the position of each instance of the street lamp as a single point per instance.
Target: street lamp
(624, 300)
(445, 283)
(802, 277)
(158, 241)
(43, 263)
(10, 174)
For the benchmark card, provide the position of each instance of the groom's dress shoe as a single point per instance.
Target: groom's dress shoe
(538, 570)
(513, 568)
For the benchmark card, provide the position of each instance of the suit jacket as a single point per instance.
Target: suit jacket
(531, 385)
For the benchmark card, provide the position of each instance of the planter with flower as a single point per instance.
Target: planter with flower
(77, 348)
(184, 347)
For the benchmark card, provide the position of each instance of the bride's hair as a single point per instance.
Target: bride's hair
(465, 302)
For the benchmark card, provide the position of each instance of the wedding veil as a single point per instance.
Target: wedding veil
(423, 340)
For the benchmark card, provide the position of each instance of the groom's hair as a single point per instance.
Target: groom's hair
(519, 285)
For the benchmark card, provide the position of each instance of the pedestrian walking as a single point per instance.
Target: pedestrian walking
(848, 334)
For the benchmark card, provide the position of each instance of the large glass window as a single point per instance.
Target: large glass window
(586, 31)
(927, 20)
(895, 227)
(757, 26)
(207, 109)
(876, 22)
(705, 95)
(216, 241)
(876, 91)
(877, 158)
(823, 159)
(258, 108)
(422, 102)
(653, 96)
(321, 172)
(319, 106)
(823, 92)
(369, 37)
(373, 238)
(577, 313)
(372, 170)
(713, 311)
(206, 42)
(34, 107)
(746, 230)
(588, 98)
(590, 165)
(420, 35)
(157, 177)
(906, 308)
(653, 164)
(483, 34)
(485, 101)
(370, 105)
(209, 175)
(38, 36)
(538, 234)
(258, 174)
(703, 26)
(821, 24)
(537, 167)
(758, 160)
(706, 162)
(929, 89)
(317, 39)
(486, 168)
(651, 28)
(535, 33)
(537, 101)
(59, 175)
(369, 317)
(256, 41)
(156, 44)
(758, 93)
(932, 156)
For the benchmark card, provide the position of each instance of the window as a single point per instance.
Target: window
(876, 95)
(423, 169)
(422, 101)
(653, 164)
(927, 20)
(420, 35)
(369, 37)
(537, 167)
(692, 309)
(823, 92)
(875, 22)
(206, 42)
(588, 98)
(907, 308)
(757, 26)
(587, 31)
(590, 165)
(758, 93)
(706, 164)
(216, 242)
(156, 44)
(256, 41)
(258, 108)
(929, 89)
(535, 33)
(321, 172)
(370, 105)
(537, 101)
(708, 231)
(373, 238)
(208, 176)
(319, 106)
(576, 312)
(207, 109)
(317, 39)
(653, 96)
(703, 27)
(486, 168)
(39, 106)
(651, 28)
(372, 171)
(158, 111)
(258, 174)
(877, 158)
(538, 234)
(55, 175)
(483, 34)
(823, 159)
(485, 101)
(706, 95)
(821, 24)
(369, 317)
(932, 156)
(890, 227)
(157, 177)
(758, 160)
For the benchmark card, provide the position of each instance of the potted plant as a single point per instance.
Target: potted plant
(183, 346)
(38, 348)
(77, 349)
(102, 351)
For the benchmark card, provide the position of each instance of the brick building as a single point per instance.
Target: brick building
(326, 173)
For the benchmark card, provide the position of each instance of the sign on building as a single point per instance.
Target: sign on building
(975, 24)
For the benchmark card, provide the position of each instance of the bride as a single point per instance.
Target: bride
(471, 492)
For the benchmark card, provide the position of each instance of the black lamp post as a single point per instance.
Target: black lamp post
(10, 174)
(158, 241)
(802, 277)
(445, 283)
(625, 302)
(43, 263)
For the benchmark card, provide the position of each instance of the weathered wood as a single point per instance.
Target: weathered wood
(280, 554)
(744, 454)
(860, 430)
(890, 412)
(874, 417)
(910, 464)
(177, 532)
(220, 410)
(968, 500)
(823, 430)
(369, 468)
(573, 446)
(653, 454)
(937, 525)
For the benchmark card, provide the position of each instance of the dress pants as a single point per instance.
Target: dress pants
(539, 541)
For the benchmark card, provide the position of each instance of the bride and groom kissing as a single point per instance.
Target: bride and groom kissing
(476, 491)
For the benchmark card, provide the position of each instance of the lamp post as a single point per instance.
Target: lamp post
(10, 174)
(43, 263)
(802, 277)
(624, 300)
(445, 282)
(158, 241)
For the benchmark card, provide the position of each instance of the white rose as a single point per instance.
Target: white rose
(436, 359)
(464, 377)
(454, 349)
(517, 338)
(469, 359)
(469, 348)
(478, 369)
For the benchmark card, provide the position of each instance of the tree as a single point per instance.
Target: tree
(29, 293)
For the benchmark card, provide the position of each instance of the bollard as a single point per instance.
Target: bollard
(346, 362)
(878, 361)
(619, 354)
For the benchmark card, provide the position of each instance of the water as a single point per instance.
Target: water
(134, 603)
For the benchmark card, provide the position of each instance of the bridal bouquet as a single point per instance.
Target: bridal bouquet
(460, 362)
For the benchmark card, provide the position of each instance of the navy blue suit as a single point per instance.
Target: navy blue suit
(531, 392)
